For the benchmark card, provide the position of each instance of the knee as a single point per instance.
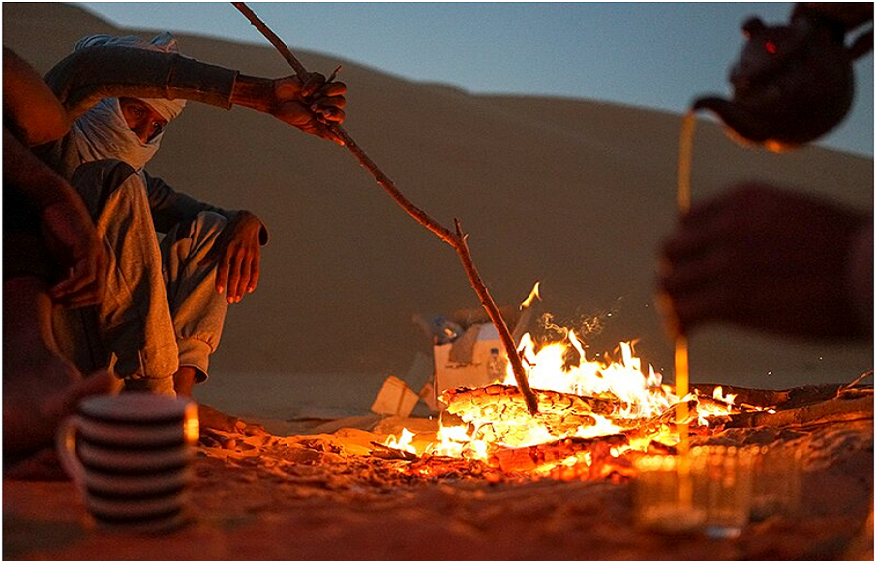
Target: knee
(207, 225)
(208, 221)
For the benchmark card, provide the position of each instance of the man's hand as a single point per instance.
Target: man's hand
(238, 251)
(763, 258)
(314, 106)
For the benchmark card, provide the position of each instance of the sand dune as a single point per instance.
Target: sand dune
(572, 192)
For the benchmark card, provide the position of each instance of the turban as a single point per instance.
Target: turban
(102, 132)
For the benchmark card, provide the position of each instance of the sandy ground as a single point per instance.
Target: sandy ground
(315, 498)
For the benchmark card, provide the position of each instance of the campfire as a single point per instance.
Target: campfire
(595, 417)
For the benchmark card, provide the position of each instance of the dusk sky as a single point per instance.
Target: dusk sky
(655, 55)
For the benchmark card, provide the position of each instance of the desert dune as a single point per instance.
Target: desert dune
(572, 192)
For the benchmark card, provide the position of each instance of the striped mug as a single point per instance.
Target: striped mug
(130, 457)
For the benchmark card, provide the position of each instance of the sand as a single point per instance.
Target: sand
(572, 192)
(316, 498)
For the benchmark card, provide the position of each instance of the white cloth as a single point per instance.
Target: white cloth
(103, 132)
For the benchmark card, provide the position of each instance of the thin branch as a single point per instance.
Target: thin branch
(457, 240)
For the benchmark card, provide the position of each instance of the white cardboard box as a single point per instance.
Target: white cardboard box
(475, 373)
(395, 398)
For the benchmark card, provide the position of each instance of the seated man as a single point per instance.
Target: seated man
(165, 302)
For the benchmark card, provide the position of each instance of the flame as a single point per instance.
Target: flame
(635, 392)
(404, 442)
(532, 295)
(718, 395)
(640, 394)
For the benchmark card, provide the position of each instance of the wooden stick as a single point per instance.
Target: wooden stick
(457, 239)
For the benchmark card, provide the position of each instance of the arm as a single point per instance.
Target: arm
(88, 75)
(170, 207)
(774, 260)
(849, 15)
(236, 252)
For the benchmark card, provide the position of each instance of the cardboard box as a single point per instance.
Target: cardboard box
(395, 398)
(466, 362)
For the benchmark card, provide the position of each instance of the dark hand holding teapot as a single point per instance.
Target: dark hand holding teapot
(792, 83)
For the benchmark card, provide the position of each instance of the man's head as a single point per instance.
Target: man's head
(142, 118)
(127, 128)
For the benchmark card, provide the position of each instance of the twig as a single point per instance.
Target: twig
(856, 382)
(457, 239)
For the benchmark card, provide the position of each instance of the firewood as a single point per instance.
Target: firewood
(388, 453)
(497, 409)
(539, 455)
(648, 428)
(485, 400)
(834, 410)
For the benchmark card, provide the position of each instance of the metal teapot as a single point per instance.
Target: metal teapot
(792, 83)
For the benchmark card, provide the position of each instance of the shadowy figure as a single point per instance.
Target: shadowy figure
(52, 256)
(763, 257)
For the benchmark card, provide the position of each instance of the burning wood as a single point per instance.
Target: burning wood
(530, 458)
(500, 409)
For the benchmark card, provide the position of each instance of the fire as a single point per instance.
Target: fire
(591, 412)
(640, 394)
(404, 442)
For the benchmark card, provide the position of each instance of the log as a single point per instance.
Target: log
(496, 412)
(832, 411)
(786, 398)
(667, 420)
(484, 400)
(540, 455)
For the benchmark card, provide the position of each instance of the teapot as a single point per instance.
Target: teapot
(792, 83)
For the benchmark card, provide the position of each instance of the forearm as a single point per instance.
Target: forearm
(170, 207)
(860, 287)
(254, 93)
(89, 75)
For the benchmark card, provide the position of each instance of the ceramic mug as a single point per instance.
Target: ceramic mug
(130, 456)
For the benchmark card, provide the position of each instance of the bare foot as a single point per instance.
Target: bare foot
(210, 418)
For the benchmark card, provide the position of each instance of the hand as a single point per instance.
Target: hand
(238, 252)
(763, 258)
(72, 239)
(314, 106)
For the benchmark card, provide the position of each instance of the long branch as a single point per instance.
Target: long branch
(457, 240)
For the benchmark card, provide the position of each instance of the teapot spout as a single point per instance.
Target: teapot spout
(740, 122)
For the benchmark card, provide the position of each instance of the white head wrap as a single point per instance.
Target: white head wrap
(103, 131)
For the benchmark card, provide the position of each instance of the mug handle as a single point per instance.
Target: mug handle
(65, 445)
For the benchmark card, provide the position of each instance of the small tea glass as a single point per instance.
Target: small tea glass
(663, 496)
(707, 490)
(776, 473)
